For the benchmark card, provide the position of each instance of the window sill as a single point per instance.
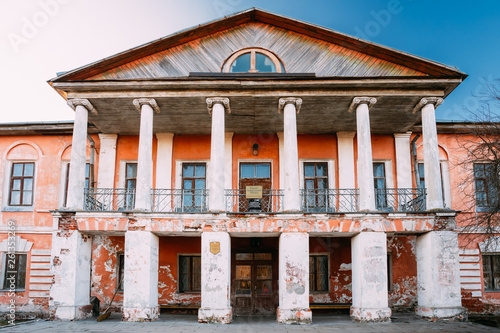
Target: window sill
(17, 209)
(492, 290)
(189, 292)
(10, 290)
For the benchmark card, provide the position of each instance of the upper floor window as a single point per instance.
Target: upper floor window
(253, 61)
(21, 184)
(380, 185)
(486, 184)
(87, 181)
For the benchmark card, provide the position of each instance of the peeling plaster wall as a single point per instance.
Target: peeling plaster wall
(105, 269)
(404, 272)
(340, 269)
(170, 248)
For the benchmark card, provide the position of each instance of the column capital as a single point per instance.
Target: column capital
(406, 135)
(164, 136)
(346, 135)
(427, 100)
(139, 102)
(361, 100)
(224, 101)
(73, 103)
(103, 136)
(289, 100)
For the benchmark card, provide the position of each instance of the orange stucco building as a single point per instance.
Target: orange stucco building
(222, 171)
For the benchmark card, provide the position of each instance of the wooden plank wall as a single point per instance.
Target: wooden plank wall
(299, 53)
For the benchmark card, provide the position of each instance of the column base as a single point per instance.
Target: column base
(294, 316)
(73, 312)
(215, 316)
(365, 315)
(141, 314)
(455, 313)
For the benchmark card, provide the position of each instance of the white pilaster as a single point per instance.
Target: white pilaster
(281, 145)
(107, 161)
(145, 159)
(140, 285)
(76, 181)
(216, 107)
(438, 275)
(164, 160)
(345, 143)
(431, 152)
(294, 279)
(403, 159)
(290, 107)
(228, 155)
(365, 161)
(369, 277)
(215, 278)
(71, 260)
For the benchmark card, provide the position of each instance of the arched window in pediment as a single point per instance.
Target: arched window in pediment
(253, 60)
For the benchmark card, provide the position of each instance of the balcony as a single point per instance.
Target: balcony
(323, 201)
(329, 200)
(180, 201)
(270, 202)
(402, 200)
(109, 199)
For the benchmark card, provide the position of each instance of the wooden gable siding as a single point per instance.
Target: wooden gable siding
(299, 53)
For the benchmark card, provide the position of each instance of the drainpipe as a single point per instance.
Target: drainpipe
(414, 155)
(92, 157)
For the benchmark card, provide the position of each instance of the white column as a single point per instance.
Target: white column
(438, 275)
(345, 143)
(164, 160)
(216, 107)
(76, 181)
(228, 154)
(365, 162)
(290, 107)
(215, 278)
(71, 260)
(431, 152)
(140, 284)
(369, 277)
(107, 161)
(294, 279)
(145, 159)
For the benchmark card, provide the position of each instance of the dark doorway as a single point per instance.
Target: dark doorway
(254, 276)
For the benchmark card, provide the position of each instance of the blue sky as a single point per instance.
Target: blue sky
(42, 37)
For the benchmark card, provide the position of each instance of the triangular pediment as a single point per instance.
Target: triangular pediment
(302, 48)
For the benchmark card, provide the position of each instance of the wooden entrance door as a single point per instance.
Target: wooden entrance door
(255, 174)
(254, 286)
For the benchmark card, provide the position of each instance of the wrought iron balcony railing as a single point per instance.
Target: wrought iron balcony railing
(180, 201)
(109, 199)
(237, 201)
(329, 200)
(400, 199)
(313, 200)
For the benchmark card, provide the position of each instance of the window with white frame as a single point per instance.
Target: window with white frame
(491, 272)
(14, 271)
(486, 185)
(22, 179)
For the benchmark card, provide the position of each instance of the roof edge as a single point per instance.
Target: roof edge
(427, 66)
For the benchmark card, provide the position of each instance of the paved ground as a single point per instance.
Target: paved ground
(188, 324)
